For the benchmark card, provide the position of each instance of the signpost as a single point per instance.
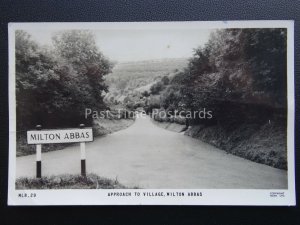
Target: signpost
(39, 137)
(39, 157)
(82, 154)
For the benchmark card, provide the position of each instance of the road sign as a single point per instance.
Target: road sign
(39, 137)
(59, 136)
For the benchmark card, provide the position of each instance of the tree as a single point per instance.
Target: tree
(171, 99)
(266, 53)
(145, 94)
(37, 81)
(156, 88)
(240, 69)
(79, 48)
(165, 80)
(53, 87)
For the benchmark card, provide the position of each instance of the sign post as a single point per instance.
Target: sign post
(82, 155)
(39, 137)
(38, 156)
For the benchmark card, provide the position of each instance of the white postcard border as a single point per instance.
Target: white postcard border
(209, 196)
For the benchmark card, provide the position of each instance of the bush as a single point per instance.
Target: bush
(180, 120)
(165, 80)
(153, 103)
(146, 94)
(157, 88)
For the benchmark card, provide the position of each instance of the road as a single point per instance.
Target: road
(147, 156)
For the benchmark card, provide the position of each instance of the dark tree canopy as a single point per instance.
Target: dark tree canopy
(55, 85)
(236, 68)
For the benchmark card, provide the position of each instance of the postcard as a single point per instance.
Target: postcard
(151, 113)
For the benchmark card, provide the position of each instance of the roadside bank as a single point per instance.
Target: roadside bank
(263, 143)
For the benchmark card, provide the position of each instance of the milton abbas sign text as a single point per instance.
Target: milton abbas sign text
(59, 136)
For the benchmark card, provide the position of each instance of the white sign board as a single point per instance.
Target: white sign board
(59, 136)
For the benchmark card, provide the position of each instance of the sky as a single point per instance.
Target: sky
(142, 44)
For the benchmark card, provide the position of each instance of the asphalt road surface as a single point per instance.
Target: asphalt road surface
(147, 156)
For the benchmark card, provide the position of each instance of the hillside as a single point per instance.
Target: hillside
(129, 79)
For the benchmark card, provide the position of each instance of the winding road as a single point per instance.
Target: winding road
(148, 156)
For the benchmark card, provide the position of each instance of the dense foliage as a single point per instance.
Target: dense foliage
(239, 73)
(55, 84)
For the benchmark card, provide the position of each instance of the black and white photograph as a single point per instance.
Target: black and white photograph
(184, 113)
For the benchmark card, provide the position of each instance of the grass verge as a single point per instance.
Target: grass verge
(67, 181)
